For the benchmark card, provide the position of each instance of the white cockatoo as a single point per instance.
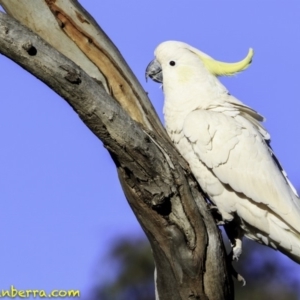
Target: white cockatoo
(227, 147)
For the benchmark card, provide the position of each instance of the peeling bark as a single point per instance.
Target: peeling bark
(187, 246)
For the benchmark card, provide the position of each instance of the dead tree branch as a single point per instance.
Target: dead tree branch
(187, 247)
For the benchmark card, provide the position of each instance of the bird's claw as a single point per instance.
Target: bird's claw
(234, 273)
(237, 249)
(240, 278)
(216, 214)
(212, 207)
(221, 223)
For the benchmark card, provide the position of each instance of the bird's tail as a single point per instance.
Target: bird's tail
(280, 237)
(284, 238)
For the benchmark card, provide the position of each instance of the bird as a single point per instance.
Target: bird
(227, 148)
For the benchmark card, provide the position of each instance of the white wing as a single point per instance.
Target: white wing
(234, 149)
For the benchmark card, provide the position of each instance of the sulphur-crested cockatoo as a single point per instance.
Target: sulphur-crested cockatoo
(227, 147)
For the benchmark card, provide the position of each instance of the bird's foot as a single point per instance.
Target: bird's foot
(220, 223)
(210, 206)
(235, 235)
(216, 214)
(237, 249)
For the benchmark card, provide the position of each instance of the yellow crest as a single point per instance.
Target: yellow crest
(219, 68)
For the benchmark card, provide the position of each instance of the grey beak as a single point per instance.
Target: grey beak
(154, 71)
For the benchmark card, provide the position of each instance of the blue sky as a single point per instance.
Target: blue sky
(61, 203)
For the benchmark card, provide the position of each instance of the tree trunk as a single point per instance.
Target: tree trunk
(88, 71)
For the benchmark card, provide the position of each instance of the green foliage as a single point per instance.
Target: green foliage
(268, 273)
(134, 268)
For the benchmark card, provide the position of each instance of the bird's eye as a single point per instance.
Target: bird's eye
(172, 63)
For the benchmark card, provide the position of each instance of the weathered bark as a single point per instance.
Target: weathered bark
(188, 251)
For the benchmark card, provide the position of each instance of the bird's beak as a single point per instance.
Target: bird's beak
(154, 71)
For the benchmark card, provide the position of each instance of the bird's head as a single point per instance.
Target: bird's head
(188, 61)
